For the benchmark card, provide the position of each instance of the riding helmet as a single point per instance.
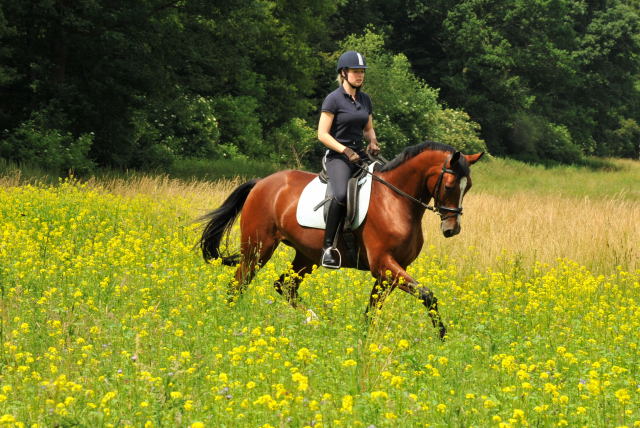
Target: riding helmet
(351, 59)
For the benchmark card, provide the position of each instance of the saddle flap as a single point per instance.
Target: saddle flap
(317, 194)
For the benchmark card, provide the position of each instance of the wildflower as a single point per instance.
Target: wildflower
(349, 363)
(623, 395)
(379, 394)
(347, 404)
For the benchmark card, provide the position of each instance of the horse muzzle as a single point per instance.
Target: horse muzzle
(450, 227)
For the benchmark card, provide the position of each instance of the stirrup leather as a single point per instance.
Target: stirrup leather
(327, 254)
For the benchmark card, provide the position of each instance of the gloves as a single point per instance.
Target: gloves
(373, 148)
(353, 156)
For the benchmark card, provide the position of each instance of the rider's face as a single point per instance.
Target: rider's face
(355, 76)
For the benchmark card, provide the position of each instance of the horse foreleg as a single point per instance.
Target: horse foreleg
(429, 301)
(403, 280)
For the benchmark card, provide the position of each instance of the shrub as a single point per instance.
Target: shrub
(292, 142)
(239, 124)
(534, 139)
(50, 149)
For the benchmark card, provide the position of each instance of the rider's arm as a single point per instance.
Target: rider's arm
(324, 126)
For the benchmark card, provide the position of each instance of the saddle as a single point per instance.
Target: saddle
(317, 194)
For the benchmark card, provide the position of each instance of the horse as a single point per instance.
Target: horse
(389, 239)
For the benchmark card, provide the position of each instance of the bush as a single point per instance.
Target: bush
(50, 149)
(455, 127)
(239, 124)
(292, 142)
(534, 139)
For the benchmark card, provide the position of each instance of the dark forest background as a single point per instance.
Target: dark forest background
(141, 84)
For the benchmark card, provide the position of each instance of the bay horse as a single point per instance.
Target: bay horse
(389, 239)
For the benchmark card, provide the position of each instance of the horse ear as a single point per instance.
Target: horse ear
(455, 158)
(474, 158)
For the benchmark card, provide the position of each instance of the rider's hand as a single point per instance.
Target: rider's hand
(353, 156)
(373, 148)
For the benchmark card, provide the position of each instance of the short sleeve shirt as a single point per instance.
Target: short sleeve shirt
(349, 116)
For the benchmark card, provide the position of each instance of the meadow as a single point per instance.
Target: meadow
(110, 318)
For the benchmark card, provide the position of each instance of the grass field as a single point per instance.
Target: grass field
(110, 318)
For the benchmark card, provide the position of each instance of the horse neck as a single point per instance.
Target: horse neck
(412, 175)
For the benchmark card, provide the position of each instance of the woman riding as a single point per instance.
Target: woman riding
(345, 119)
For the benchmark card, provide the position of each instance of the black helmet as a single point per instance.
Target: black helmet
(351, 59)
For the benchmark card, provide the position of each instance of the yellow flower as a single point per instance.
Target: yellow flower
(349, 363)
(489, 404)
(623, 395)
(196, 425)
(175, 395)
(347, 404)
(403, 344)
(379, 394)
(250, 385)
(441, 408)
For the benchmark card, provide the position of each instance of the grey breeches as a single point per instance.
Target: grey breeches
(339, 170)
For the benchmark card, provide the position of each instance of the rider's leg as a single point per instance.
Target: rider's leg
(339, 170)
(335, 215)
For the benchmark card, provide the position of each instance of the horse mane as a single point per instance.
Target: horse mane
(413, 151)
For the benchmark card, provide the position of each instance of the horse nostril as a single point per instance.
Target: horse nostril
(448, 233)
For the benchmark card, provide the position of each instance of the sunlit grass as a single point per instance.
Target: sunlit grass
(110, 318)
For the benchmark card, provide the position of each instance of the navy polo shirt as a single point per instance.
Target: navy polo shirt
(349, 116)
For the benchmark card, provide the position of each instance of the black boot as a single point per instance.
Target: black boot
(330, 255)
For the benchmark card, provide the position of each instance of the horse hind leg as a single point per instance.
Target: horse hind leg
(289, 282)
(253, 255)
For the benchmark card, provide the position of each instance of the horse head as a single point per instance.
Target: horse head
(452, 183)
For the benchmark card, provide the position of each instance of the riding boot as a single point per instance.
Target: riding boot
(330, 255)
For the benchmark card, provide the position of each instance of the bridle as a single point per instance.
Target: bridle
(443, 212)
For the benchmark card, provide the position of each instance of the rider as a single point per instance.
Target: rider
(345, 119)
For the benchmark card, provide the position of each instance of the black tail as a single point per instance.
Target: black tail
(220, 221)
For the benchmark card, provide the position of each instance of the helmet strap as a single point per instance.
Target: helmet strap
(345, 76)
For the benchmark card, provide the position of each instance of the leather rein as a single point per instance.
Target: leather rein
(443, 212)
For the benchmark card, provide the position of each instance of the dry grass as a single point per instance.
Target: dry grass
(530, 225)
(601, 234)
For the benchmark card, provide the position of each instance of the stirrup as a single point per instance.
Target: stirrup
(327, 252)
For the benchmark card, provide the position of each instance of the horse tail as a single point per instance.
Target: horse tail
(220, 221)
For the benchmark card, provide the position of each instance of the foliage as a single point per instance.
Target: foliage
(50, 149)
(534, 139)
(154, 80)
(455, 127)
(292, 142)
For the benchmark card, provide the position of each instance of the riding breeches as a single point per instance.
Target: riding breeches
(339, 170)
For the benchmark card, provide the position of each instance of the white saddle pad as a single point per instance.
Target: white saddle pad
(315, 192)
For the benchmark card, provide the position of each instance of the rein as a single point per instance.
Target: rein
(436, 208)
